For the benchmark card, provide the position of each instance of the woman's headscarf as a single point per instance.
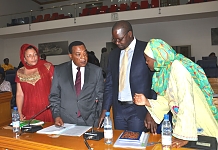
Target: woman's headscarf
(164, 55)
(22, 55)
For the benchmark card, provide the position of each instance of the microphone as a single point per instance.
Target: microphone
(33, 128)
(94, 135)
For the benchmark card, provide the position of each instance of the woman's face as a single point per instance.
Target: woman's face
(150, 62)
(31, 57)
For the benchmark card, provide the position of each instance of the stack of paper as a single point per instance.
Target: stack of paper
(67, 129)
(139, 140)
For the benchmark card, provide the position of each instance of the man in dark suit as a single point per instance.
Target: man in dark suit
(77, 89)
(137, 79)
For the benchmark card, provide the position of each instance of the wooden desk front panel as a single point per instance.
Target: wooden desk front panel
(5, 108)
(33, 141)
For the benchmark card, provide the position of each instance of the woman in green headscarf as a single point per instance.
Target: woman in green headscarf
(183, 89)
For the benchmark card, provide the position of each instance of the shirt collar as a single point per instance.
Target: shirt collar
(132, 44)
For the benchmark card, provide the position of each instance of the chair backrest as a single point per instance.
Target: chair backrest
(10, 78)
(13, 22)
(20, 21)
(103, 9)
(113, 8)
(144, 4)
(85, 12)
(11, 71)
(39, 18)
(207, 63)
(61, 16)
(26, 20)
(54, 16)
(93, 11)
(124, 7)
(214, 84)
(134, 6)
(47, 17)
(154, 3)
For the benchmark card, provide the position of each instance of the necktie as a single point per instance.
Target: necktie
(123, 68)
(78, 85)
(78, 82)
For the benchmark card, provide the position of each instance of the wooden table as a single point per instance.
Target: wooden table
(34, 141)
(5, 108)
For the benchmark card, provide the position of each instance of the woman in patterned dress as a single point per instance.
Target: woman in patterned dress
(181, 88)
(33, 84)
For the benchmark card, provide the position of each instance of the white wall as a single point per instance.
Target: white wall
(196, 32)
(16, 6)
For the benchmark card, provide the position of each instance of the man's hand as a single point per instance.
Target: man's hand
(215, 102)
(178, 142)
(150, 123)
(100, 121)
(59, 121)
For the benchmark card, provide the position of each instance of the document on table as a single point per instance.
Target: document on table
(66, 129)
(138, 144)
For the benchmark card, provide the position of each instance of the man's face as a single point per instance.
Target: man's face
(79, 55)
(121, 38)
(150, 62)
(6, 61)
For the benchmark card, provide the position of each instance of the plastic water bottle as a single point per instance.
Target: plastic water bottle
(166, 133)
(16, 121)
(108, 131)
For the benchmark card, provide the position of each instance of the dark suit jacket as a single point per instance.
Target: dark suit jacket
(140, 79)
(65, 103)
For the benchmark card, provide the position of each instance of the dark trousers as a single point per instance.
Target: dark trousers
(127, 119)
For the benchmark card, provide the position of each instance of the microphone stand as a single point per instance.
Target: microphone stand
(33, 128)
(94, 135)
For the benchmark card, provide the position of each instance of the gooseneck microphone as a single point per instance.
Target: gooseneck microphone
(94, 135)
(33, 128)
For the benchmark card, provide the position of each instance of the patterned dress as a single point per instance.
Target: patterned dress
(36, 88)
(183, 97)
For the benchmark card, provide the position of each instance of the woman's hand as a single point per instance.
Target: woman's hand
(215, 102)
(178, 142)
(140, 99)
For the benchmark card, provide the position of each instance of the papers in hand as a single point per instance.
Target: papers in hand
(135, 142)
(66, 129)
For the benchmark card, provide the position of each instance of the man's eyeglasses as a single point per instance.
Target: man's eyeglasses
(119, 39)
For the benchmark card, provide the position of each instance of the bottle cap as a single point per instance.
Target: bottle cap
(166, 117)
(107, 113)
(15, 108)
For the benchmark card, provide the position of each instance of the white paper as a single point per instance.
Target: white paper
(138, 145)
(67, 129)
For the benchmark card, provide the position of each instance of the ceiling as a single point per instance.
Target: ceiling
(43, 2)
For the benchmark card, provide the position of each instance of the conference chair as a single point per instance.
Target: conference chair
(47, 17)
(124, 7)
(93, 11)
(85, 12)
(54, 16)
(103, 9)
(134, 6)
(144, 4)
(113, 8)
(39, 18)
(154, 3)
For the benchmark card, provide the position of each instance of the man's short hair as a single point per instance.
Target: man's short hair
(75, 43)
